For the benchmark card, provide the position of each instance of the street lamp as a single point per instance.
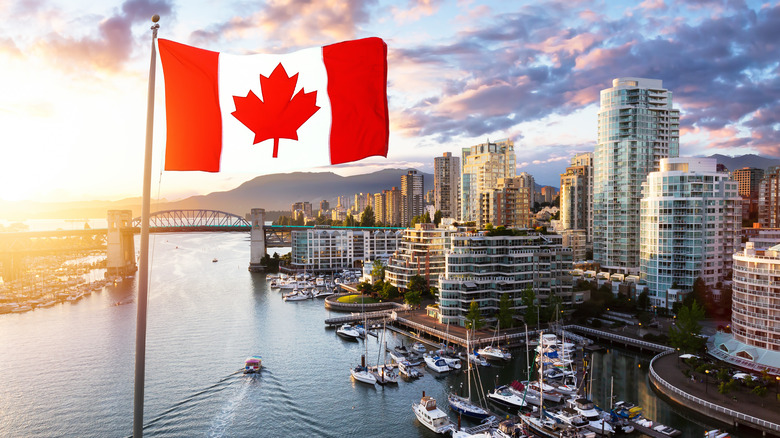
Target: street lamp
(706, 380)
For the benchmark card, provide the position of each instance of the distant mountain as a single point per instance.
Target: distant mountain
(750, 160)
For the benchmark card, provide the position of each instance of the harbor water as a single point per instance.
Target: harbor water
(68, 370)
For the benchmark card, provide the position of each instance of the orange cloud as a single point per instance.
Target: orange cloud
(415, 10)
(601, 57)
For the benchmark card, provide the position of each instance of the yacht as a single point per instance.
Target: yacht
(407, 370)
(348, 332)
(419, 347)
(430, 416)
(588, 410)
(253, 364)
(436, 363)
(494, 353)
(505, 396)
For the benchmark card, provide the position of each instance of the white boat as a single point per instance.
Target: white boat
(505, 396)
(253, 364)
(385, 374)
(348, 332)
(550, 394)
(716, 433)
(494, 353)
(298, 296)
(548, 427)
(430, 416)
(478, 360)
(588, 410)
(361, 374)
(407, 370)
(419, 347)
(436, 363)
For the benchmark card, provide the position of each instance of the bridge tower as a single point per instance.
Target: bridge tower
(257, 240)
(120, 243)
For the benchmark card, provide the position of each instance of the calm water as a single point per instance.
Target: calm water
(68, 370)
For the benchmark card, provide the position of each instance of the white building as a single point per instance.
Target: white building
(576, 196)
(637, 127)
(754, 341)
(482, 267)
(690, 226)
(324, 249)
(420, 252)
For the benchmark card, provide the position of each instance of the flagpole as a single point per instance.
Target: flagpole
(143, 270)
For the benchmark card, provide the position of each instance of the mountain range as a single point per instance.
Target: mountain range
(274, 192)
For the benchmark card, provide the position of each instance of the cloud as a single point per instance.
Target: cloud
(415, 9)
(289, 24)
(111, 47)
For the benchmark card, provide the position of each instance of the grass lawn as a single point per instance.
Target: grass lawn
(356, 299)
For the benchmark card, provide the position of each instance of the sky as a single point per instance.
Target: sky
(75, 76)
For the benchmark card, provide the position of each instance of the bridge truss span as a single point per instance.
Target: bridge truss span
(194, 220)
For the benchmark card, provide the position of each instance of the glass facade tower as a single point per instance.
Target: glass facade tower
(637, 127)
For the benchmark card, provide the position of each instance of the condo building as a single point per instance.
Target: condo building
(637, 127)
(769, 199)
(446, 185)
(754, 341)
(412, 196)
(690, 227)
(324, 249)
(505, 205)
(576, 195)
(420, 252)
(483, 165)
(482, 267)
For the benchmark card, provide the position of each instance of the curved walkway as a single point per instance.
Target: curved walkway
(738, 407)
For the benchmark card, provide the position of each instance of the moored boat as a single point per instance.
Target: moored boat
(430, 416)
(436, 363)
(494, 353)
(348, 332)
(407, 370)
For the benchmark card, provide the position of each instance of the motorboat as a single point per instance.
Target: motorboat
(253, 364)
(407, 370)
(666, 430)
(509, 429)
(626, 410)
(549, 393)
(505, 396)
(716, 433)
(452, 362)
(298, 296)
(569, 416)
(588, 410)
(430, 416)
(348, 332)
(419, 347)
(494, 353)
(548, 427)
(476, 359)
(385, 374)
(214, 260)
(401, 349)
(436, 363)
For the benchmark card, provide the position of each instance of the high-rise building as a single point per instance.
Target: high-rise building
(379, 207)
(483, 165)
(748, 178)
(549, 193)
(576, 196)
(505, 205)
(637, 127)
(690, 227)
(324, 206)
(769, 199)
(525, 179)
(301, 208)
(360, 204)
(482, 268)
(412, 196)
(446, 185)
(754, 341)
(392, 206)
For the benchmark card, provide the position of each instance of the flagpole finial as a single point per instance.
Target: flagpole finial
(155, 18)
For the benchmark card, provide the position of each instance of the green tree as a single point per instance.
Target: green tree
(552, 312)
(365, 288)
(528, 299)
(506, 314)
(426, 218)
(437, 217)
(413, 298)
(417, 283)
(367, 218)
(350, 221)
(386, 290)
(378, 270)
(474, 317)
(685, 334)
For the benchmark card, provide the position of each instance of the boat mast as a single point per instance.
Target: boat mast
(541, 380)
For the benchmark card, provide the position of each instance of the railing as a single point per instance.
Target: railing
(709, 405)
(623, 339)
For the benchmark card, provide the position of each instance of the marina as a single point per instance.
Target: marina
(216, 321)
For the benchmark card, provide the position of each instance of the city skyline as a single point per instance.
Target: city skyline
(459, 73)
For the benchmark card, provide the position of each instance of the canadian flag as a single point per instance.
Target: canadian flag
(274, 113)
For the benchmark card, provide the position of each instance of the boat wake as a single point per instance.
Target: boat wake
(225, 418)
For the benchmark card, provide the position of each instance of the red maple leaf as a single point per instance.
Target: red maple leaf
(281, 114)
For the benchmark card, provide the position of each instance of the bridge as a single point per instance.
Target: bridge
(119, 244)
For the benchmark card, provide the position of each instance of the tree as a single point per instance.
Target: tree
(553, 309)
(413, 298)
(474, 317)
(528, 299)
(643, 302)
(386, 290)
(426, 218)
(365, 288)
(506, 314)
(378, 270)
(367, 218)
(417, 283)
(685, 334)
(437, 217)
(350, 221)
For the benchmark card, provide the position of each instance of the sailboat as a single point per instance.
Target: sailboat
(361, 372)
(384, 374)
(495, 353)
(465, 406)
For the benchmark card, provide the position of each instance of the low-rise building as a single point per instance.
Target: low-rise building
(324, 249)
(420, 252)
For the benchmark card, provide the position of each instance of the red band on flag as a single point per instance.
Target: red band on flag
(193, 118)
(357, 87)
